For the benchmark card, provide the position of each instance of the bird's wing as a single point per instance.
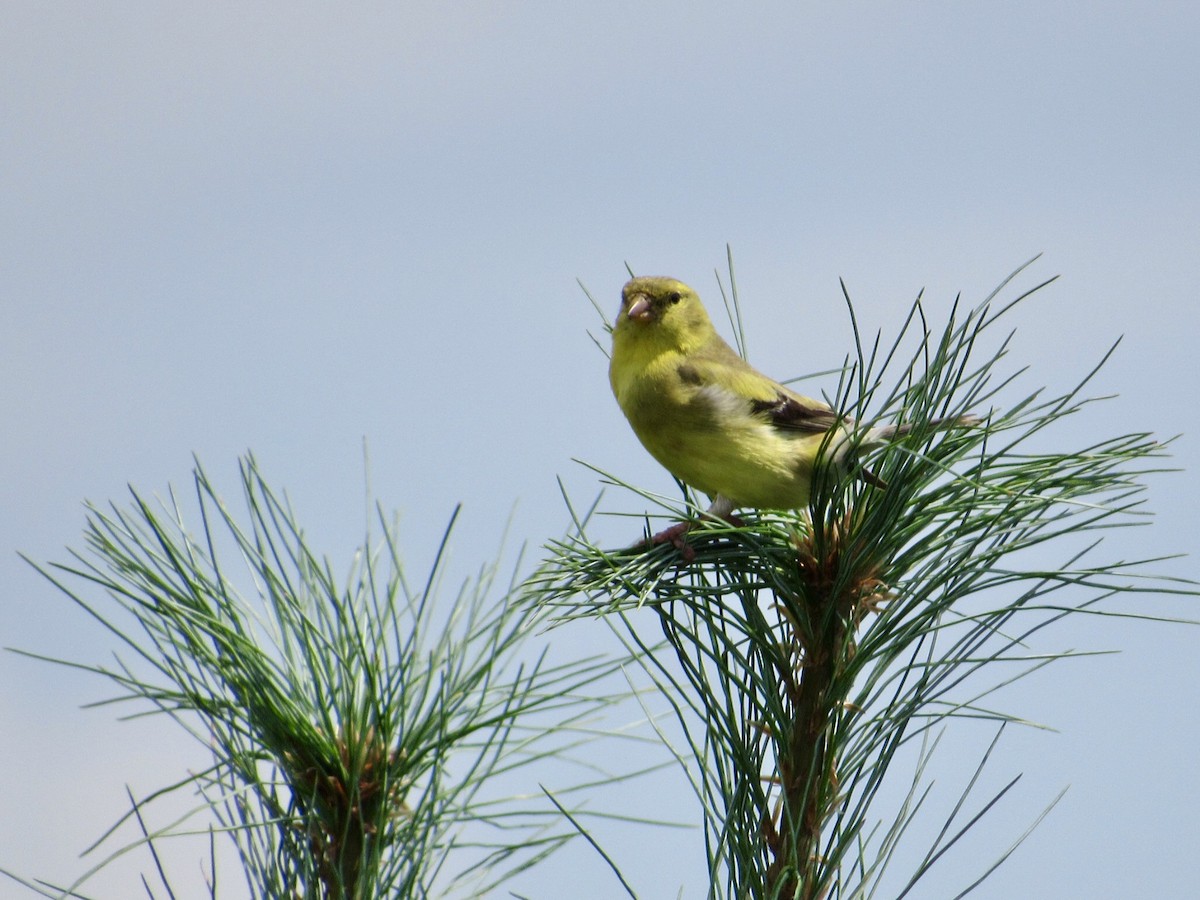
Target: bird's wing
(792, 412)
(729, 382)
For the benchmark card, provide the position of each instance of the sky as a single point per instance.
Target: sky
(301, 230)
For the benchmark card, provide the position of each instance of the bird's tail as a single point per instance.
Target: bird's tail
(881, 434)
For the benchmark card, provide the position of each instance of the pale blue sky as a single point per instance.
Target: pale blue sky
(292, 228)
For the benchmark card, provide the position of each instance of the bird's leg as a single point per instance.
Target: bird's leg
(722, 508)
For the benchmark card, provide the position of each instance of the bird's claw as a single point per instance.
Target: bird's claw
(675, 537)
(676, 533)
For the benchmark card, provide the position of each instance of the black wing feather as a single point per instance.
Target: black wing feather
(787, 412)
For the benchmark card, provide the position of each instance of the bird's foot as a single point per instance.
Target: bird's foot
(675, 537)
(676, 533)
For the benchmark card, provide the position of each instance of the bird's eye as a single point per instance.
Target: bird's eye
(675, 296)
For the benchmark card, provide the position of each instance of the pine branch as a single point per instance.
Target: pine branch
(808, 648)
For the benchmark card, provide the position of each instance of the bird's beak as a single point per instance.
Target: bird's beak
(639, 308)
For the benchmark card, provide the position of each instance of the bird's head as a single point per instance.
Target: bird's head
(662, 309)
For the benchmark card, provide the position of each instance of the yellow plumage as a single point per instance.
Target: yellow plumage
(711, 419)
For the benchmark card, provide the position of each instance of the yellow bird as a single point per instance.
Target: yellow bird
(715, 422)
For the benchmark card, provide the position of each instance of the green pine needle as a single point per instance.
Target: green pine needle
(808, 652)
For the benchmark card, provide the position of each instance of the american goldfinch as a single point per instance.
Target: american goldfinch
(715, 422)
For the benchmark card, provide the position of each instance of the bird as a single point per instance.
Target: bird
(718, 424)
